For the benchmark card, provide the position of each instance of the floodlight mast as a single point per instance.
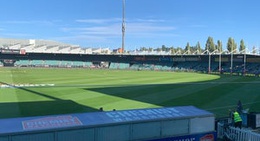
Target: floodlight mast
(123, 28)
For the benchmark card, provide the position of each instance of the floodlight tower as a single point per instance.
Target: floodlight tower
(123, 28)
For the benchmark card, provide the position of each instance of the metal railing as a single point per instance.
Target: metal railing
(231, 133)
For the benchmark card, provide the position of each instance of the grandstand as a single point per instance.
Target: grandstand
(47, 46)
(44, 53)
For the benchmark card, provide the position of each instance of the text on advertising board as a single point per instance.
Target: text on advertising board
(51, 122)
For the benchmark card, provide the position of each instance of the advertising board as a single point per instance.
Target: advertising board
(210, 136)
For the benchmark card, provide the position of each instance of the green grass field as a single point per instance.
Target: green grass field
(84, 90)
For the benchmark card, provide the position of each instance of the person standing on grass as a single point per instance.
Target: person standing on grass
(237, 120)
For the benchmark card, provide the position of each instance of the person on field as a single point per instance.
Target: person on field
(237, 120)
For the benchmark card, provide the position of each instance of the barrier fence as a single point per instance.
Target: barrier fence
(236, 134)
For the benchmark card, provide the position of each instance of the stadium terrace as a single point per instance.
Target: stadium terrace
(43, 53)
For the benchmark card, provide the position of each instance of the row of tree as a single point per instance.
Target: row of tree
(231, 45)
(210, 46)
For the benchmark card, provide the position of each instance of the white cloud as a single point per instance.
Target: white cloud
(81, 37)
(43, 22)
(99, 21)
(110, 30)
(119, 20)
(96, 30)
(148, 27)
(18, 35)
(103, 31)
(147, 20)
(115, 29)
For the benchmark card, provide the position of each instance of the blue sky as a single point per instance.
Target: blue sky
(149, 23)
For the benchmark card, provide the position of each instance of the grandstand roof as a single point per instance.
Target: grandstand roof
(8, 42)
(45, 46)
(32, 46)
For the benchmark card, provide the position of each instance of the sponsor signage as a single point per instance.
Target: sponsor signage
(211, 136)
(9, 51)
(51, 122)
(145, 114)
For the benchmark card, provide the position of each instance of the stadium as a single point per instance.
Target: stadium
(43, 78)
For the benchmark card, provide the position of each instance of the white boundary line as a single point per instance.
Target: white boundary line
(25, 85)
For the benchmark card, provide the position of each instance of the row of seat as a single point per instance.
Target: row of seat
(252, 68)
(52, 63)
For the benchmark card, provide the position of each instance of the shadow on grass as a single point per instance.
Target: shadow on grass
(197, 94)
(217, 96)
(40, 108)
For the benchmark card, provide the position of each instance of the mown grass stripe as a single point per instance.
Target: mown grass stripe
(85, 90)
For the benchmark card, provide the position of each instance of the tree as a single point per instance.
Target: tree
(143, 49)
(159, 49)
(254, 50)
(231, 45)
(198, 47)
(210, 46)
(163, 48)
(172, 50)
(150, 49)
(179, 50)
(187, 48)
(242, 45)
(219, 46)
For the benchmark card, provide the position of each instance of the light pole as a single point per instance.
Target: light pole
(209, 63)
(215, 51)
(231, 60)
(123, 28)
(219, 63)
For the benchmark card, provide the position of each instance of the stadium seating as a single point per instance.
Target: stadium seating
(135, 66)
(149, 59)
(238, 68)
(87, 64)
(123, 66)
(22, 63)
(77, 64)
(113, 65)
(39, 63)
(118, 65)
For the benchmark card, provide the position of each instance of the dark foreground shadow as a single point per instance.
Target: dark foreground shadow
(40, 108)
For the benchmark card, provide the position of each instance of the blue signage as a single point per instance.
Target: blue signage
(211, 136)
(51, 122)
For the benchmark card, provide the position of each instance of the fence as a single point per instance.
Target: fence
(236, 134)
